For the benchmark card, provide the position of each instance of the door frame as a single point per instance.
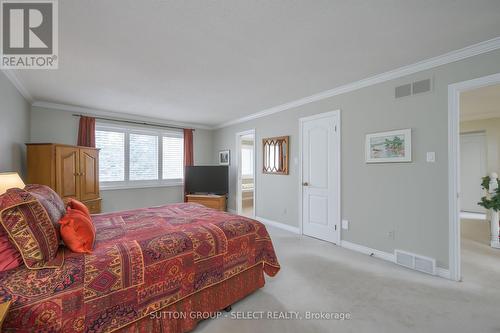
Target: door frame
(454, 91)
(339, 164)
(238, 174)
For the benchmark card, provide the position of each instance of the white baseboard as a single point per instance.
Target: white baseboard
(366, 250)
(474, 216)
(232, 211)
(441, 272)
(278, 225)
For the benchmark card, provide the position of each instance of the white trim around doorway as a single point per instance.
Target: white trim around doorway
(454, 91)
(238, 175)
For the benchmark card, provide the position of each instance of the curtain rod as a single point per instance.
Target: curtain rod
(130, 121)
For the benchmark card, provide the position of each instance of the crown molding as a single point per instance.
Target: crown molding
(14, 79)
(453, 56)
(450, 57)
(113, 114)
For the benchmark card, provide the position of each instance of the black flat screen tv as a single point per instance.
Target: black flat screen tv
(206, 179)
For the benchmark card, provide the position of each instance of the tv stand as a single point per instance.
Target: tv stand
(214, 201)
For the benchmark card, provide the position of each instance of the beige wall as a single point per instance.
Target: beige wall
(492, 129)
(409, 199)
(14, 128)
(61, 127)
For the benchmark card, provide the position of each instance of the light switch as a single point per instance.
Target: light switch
(345, 224)
(431, 157)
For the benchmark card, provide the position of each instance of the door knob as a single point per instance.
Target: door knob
(305, 184)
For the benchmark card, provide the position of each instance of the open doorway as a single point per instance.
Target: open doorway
(479, 157)
(245, 147)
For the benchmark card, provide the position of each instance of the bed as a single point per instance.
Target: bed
(160, 269)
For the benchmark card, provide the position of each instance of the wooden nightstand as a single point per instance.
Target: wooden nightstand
(4, 308)
(209, 200)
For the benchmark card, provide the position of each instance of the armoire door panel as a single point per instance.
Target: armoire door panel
(71, 171)
(67, 169)
(89, 174)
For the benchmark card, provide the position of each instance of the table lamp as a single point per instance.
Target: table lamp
(10, 180)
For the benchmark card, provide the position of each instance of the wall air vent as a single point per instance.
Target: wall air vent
(416, 262)
(403, 91)
(417, 87)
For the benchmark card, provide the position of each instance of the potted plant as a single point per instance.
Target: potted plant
(490, 200)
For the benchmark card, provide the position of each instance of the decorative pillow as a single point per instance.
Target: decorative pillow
(30, 229)
(50, 200)
(75, 204)
(9, 256)
(77, 231)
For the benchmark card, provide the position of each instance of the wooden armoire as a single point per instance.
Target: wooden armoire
(71, 171)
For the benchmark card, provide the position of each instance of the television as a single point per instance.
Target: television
(206, 179)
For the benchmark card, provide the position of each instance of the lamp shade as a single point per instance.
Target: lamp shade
(10, 180)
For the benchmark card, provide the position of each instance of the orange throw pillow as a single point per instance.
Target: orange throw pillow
(75, 204)
(77, 231)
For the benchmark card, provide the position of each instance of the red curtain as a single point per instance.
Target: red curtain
(86, 132)
(188, 151)
(188, 147)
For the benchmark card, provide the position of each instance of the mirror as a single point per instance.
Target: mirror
(275, 155)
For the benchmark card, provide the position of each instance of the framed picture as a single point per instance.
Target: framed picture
(388, 147)
(224, 157)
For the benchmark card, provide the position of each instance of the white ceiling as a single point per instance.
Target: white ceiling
(482, 103)
(209, 62)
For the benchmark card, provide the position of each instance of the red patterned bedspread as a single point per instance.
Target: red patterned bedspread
(143, 260)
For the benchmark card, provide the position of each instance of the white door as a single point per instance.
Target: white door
(472, 168)
(320, 161)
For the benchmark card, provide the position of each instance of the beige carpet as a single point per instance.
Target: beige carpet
(380, 296)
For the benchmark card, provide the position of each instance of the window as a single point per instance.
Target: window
(173, 167)
(138, 157)
(112, 155)
(143, 157)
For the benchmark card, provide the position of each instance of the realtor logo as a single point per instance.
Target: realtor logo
(29, 34)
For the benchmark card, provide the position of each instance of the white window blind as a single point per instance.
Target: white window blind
(137, 157)
(173, 157)
(143, 157)
(111, 156)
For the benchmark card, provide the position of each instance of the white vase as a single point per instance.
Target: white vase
(495, 229)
